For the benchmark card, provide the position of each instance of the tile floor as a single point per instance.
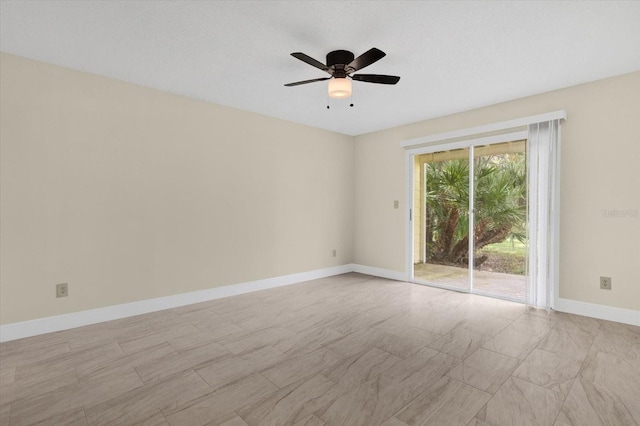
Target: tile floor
(346, 350)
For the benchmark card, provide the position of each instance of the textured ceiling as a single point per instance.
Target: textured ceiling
(452, 56)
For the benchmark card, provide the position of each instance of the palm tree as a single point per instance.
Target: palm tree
(500, 205)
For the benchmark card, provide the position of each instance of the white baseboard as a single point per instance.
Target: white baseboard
(380, 272)
(38, 326)
(626, 316)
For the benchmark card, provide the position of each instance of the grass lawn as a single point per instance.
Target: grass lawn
(506, 257)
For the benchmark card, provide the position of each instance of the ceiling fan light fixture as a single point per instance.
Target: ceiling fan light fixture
(339, 88)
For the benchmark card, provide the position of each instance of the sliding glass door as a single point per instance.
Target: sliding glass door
(487, 219)
(442, 219)
(500, 211)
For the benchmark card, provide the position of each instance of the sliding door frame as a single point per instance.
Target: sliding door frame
(409, 196)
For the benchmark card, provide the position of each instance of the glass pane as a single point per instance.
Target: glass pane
(500, 210)
(442, 222)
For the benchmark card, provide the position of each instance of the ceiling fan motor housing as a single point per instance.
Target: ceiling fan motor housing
(338, 60)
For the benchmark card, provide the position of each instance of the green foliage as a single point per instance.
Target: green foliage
(500, 205)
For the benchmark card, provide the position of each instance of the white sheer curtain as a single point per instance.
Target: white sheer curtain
(543, 161)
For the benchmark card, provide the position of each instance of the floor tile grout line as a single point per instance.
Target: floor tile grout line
(267, 379)
(139, 376)
(520, 360)
(483, 390)
(475, 387)
(418, 395)
(84, 412)
(577, 376)
(564, 400)
(202, 378)
(241, 418)
(484, 407)
(542, 339)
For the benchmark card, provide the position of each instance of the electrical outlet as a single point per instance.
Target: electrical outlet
(62, 290)
(396, 204)
(335, 252)
(605, 283)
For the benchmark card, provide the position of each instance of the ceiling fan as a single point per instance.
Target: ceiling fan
(340, 65)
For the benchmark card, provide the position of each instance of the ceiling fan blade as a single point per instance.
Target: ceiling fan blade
(376, 78)
(298, 83)
(309, 60)
(367, 58)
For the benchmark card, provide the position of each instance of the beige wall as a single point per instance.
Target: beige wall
(600, 170)
(129, 193)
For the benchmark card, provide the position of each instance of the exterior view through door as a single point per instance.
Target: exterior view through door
(470, 219)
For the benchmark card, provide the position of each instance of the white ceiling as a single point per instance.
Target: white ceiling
(451, 56)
